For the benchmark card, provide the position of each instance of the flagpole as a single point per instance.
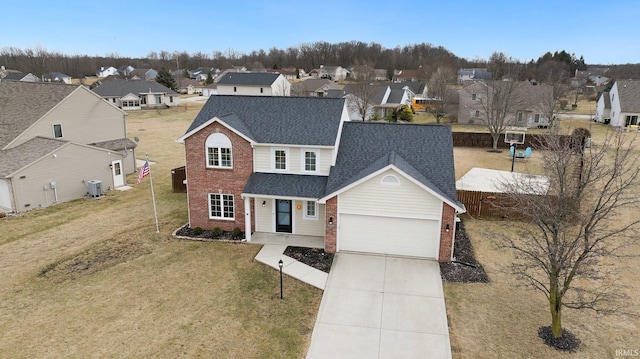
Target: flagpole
(153, 196)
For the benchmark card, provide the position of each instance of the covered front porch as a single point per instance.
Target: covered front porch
(287, 239)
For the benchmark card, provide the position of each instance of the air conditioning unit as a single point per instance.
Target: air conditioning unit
(95, 188)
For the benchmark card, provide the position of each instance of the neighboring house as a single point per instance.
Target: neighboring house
(189, 86)
(54, 140)
(312, 87)
(137, 94)
(125, 70)
(143, 74)
(384, 98)
(624, 97)
(289, 74)
(529, 104)
(254, 83)
(201, 73)
(19, 76)
(603, 108)
(380, 75)
(106, 71)
(297, 165)
(465, 75)
(56, 77)
(210, 90)
(335, 73)
(408, 76)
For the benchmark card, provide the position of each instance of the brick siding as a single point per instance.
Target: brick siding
(202, 180)
(331, 210)
(447, 238)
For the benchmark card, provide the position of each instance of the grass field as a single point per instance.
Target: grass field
(92, 278)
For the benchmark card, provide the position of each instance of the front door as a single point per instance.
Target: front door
(118, 176)
(283, 215)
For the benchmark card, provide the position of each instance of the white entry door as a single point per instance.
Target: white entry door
(118, 175)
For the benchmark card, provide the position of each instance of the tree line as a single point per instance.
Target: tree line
(424, 57)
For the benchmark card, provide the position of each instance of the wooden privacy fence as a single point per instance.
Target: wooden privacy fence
(487, 204)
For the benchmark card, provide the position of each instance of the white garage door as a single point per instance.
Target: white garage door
(388, 235)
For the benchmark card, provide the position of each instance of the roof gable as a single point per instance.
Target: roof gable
(23, 103)
(629, 95)
(423, 152)
(276, 120)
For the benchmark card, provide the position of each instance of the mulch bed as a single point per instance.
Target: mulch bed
(465, 268)
(204, 235)
(314, 257)
(568, 341)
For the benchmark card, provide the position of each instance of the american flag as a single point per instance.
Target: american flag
(144, 171)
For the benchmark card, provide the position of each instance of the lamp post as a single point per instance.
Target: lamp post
(280, 265)
(513, 155)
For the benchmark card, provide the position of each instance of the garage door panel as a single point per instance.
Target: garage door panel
(388, 235)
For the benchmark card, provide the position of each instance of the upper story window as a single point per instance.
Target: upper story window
(57, 130)
(474, 97)
(520, 116)
(477, 113)
(280, 159)
(219, 155)
(310, 161)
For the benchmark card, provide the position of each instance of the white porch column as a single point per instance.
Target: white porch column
(247, 219)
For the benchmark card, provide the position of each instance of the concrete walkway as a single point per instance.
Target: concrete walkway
(381, 307)
(271, 254)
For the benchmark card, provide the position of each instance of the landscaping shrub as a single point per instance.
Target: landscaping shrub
(197, 231)
(217, 232)
(236, 233)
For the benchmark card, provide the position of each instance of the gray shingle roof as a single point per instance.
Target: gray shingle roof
(248, 78)
(24, 103)
(290, 185)
(115, 145)
(122, 88)
(629, 94)
(425, 152)
(277, 120)
(14, 76)
(26, 153)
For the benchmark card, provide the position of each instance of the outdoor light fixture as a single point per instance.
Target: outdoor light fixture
(280, 264)
(447, 228)
(264, 203)
(330, 220)
(110, 166)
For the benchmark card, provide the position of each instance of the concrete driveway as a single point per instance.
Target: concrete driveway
(381, 307)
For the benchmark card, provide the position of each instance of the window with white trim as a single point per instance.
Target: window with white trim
(390, 180)
(57, 130)
(310, 161)
(474, 97)
(218, 148)
(536, 118)
(310, 210)
(477, 113)
(221, 206)
(280, 159)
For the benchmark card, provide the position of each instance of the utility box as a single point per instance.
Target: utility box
(95, 188)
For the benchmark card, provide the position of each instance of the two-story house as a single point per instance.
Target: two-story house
(54, 140)
(137, 94)
(254, 83)
(526, 104)
(621, 104)
(105, 71)
(297, 165)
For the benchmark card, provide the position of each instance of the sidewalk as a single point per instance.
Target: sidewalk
(271, 254)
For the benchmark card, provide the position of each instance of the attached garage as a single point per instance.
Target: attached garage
(389, 235)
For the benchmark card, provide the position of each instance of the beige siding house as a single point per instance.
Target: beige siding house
(254, 84)
(297, 165)
(134, 95)
(55, 139)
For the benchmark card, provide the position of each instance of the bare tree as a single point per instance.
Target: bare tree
(437, 87)
(564, 238)
(500, 98)
(360, 94)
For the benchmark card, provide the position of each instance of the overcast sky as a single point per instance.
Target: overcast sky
(604, 32)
